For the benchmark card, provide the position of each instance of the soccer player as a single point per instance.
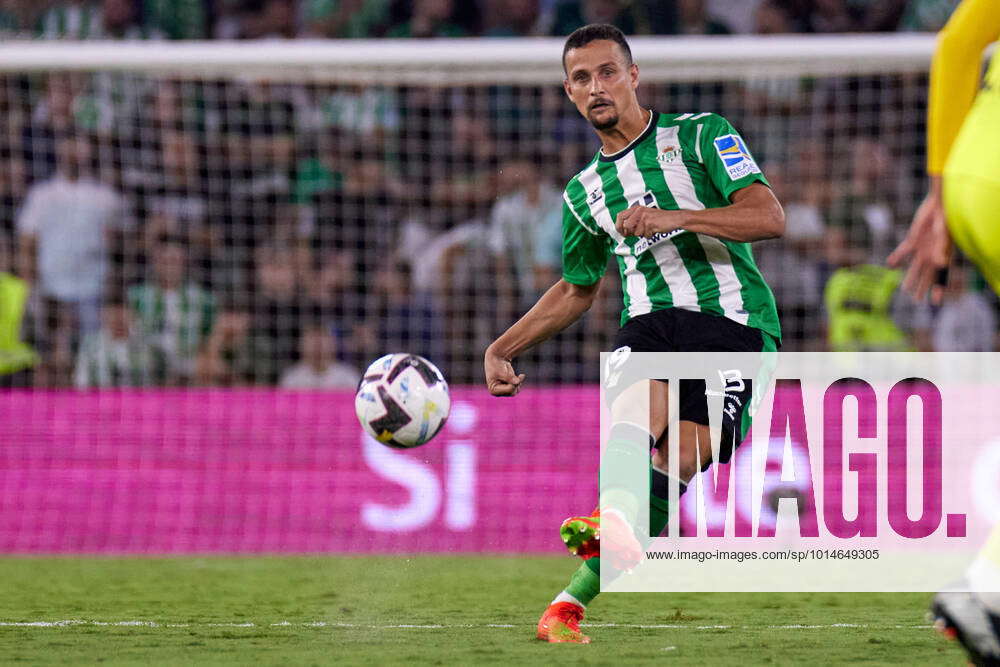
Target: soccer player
(676, 198)
(961, 207)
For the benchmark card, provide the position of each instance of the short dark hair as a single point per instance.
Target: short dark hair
(592, 33)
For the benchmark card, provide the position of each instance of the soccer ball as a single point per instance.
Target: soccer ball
(402, 400)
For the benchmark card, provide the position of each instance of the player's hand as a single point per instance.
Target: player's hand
(927, 249)
(500, 377)
(639, 220)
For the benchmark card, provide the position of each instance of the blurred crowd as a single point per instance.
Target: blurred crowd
(209, 232)
(342, 19)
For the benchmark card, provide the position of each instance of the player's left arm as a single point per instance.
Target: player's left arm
(755, 214)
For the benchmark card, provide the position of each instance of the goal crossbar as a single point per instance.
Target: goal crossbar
(478, 61)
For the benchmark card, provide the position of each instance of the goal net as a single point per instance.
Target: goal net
(217, 238)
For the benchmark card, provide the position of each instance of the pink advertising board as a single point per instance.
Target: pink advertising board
(259, 471)
(264, 471)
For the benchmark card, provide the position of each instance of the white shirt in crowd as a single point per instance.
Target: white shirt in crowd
(514, 231)
(70, 220)
(334, 376)
(966, 323)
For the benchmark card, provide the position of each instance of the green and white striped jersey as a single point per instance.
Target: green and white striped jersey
(680, 161)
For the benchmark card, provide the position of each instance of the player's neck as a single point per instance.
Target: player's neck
(628, 128)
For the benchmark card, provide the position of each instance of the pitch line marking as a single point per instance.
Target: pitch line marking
(414, 626)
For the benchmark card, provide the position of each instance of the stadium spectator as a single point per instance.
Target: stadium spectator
(15, 354)
(358, 218)
(926, 15)
(64, 229)
(332, 287)
(229, 357)
(862, 220)
(174, 314)
(407, 318)
(13, 186)
(318, 367)
(794, 265)
(738, 17)
(279, 305)
(120, 20)
(863, 311)
(831, 16)
(430, 18)
(269, 19)
(517, 225)
(175, 200)
(771, 18)
(353, 114)
(178, 19)
(694, 19)
(256, 19)
(511, 18)
(259, 134)
(466, 186)
(115, 355)
(641, 17)
(966, 320)
(877, 15)
(14, 17)
(70, 19)
(342, 19)
(53, 116)
(547, 262)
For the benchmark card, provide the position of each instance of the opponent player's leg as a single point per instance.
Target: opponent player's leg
(971, 615)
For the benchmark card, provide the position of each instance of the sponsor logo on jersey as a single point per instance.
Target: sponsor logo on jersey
(648, 199)
(735, 156)
(669, 154)
(645, 243)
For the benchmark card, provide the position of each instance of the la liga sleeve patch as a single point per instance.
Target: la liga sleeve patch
(735, 156)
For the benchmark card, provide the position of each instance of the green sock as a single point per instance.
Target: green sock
(585, 584)
(659, 505)
(659, 516)
(586, 581)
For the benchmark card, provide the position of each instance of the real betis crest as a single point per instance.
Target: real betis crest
(669, 154)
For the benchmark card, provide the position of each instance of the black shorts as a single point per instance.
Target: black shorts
(678, 330)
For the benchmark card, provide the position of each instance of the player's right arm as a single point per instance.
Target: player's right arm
(558, 308)
(585, 254)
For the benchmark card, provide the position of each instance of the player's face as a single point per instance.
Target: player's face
(600, 82)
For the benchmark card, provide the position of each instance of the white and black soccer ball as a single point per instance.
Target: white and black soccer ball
(402, 400)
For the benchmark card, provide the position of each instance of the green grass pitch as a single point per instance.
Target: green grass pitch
(376, 611)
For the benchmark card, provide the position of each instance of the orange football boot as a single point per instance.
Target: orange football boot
(582, 536)
(560, 624)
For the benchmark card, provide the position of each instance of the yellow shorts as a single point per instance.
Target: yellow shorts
(972, 187)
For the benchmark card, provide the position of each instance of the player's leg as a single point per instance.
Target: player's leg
(631, 408)
(638, 412)
(640, 417)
